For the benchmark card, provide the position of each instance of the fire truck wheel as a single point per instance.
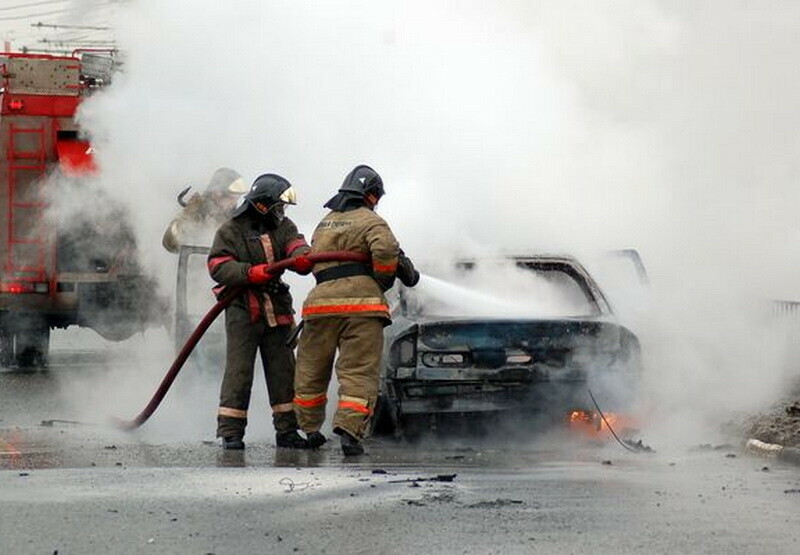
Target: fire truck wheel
(6, 348)
(32, 347)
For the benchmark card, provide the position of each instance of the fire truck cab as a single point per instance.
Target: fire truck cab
(59, 265)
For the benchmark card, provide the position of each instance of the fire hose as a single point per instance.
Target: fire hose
(225, 301)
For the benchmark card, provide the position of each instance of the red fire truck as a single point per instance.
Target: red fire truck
(59, 266)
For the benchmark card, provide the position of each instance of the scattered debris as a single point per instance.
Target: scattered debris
(437, 478)
(440, 497)
(51, 422)
(291, 485)
(638, 446)
(793, 409)
(110, 447)
(497, 503)
(709, 447)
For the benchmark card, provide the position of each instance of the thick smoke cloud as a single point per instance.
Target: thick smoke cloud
(574, 127)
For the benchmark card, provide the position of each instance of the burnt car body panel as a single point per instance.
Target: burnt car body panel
(449, 365)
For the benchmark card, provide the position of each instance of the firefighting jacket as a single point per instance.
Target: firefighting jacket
(245, 241)
(363, 231)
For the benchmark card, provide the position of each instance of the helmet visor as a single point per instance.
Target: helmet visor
(289, 196)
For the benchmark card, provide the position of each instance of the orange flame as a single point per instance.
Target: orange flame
(591, 424)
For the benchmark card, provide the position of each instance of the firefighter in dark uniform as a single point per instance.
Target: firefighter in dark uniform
(347, 311)
(262, 318)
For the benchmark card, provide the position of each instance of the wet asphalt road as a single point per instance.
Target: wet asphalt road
(74, 484)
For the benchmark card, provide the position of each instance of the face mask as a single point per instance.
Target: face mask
(278, 212)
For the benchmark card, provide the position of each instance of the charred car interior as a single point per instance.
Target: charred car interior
(523, 335)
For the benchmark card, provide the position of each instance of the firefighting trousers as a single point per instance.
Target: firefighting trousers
(243, 339)
(360, 343)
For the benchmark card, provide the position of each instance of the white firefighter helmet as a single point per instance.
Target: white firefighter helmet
(228, 181)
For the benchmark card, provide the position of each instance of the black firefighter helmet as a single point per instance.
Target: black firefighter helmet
(363, 180)
(268, 192)
(362, 186)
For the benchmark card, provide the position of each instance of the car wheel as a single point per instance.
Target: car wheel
(383, 419)
(414, 427)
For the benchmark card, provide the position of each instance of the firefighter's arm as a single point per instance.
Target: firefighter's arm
(297, 248)
(171, 239)
(406, 272)
(223, 262)
(384, 249)
(174, 235)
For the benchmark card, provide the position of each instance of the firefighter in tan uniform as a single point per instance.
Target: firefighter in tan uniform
(262, 318)
(347, 311)
(205, 212)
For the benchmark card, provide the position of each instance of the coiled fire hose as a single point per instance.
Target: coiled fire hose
(208, 319)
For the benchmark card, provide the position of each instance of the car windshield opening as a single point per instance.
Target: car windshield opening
(502, 291)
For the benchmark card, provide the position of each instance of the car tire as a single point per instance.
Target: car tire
(384, 422)
(413, 427)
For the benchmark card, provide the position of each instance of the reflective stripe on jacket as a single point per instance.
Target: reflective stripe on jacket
(244, 241)
(360, 230)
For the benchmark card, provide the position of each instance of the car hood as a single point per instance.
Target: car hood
(596, 333)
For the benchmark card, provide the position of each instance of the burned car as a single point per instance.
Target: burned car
(522, 335)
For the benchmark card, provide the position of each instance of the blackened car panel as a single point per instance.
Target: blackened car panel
(467, 352)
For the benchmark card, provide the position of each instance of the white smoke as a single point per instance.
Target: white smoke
(536, 126)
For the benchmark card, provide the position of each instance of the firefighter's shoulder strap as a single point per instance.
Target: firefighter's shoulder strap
(348, 269)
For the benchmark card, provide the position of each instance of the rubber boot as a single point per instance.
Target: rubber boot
(351, 447)
(234, 443)
(291, 440)
(316, 439)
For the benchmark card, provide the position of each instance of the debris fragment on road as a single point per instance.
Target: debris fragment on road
(437, 478)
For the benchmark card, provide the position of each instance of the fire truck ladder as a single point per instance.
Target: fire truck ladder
(28, 160)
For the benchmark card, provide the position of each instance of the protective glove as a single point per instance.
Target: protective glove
(406, 273)
(258, 274)
(302, 265)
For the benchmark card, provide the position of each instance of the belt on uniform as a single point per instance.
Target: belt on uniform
(349, 269)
